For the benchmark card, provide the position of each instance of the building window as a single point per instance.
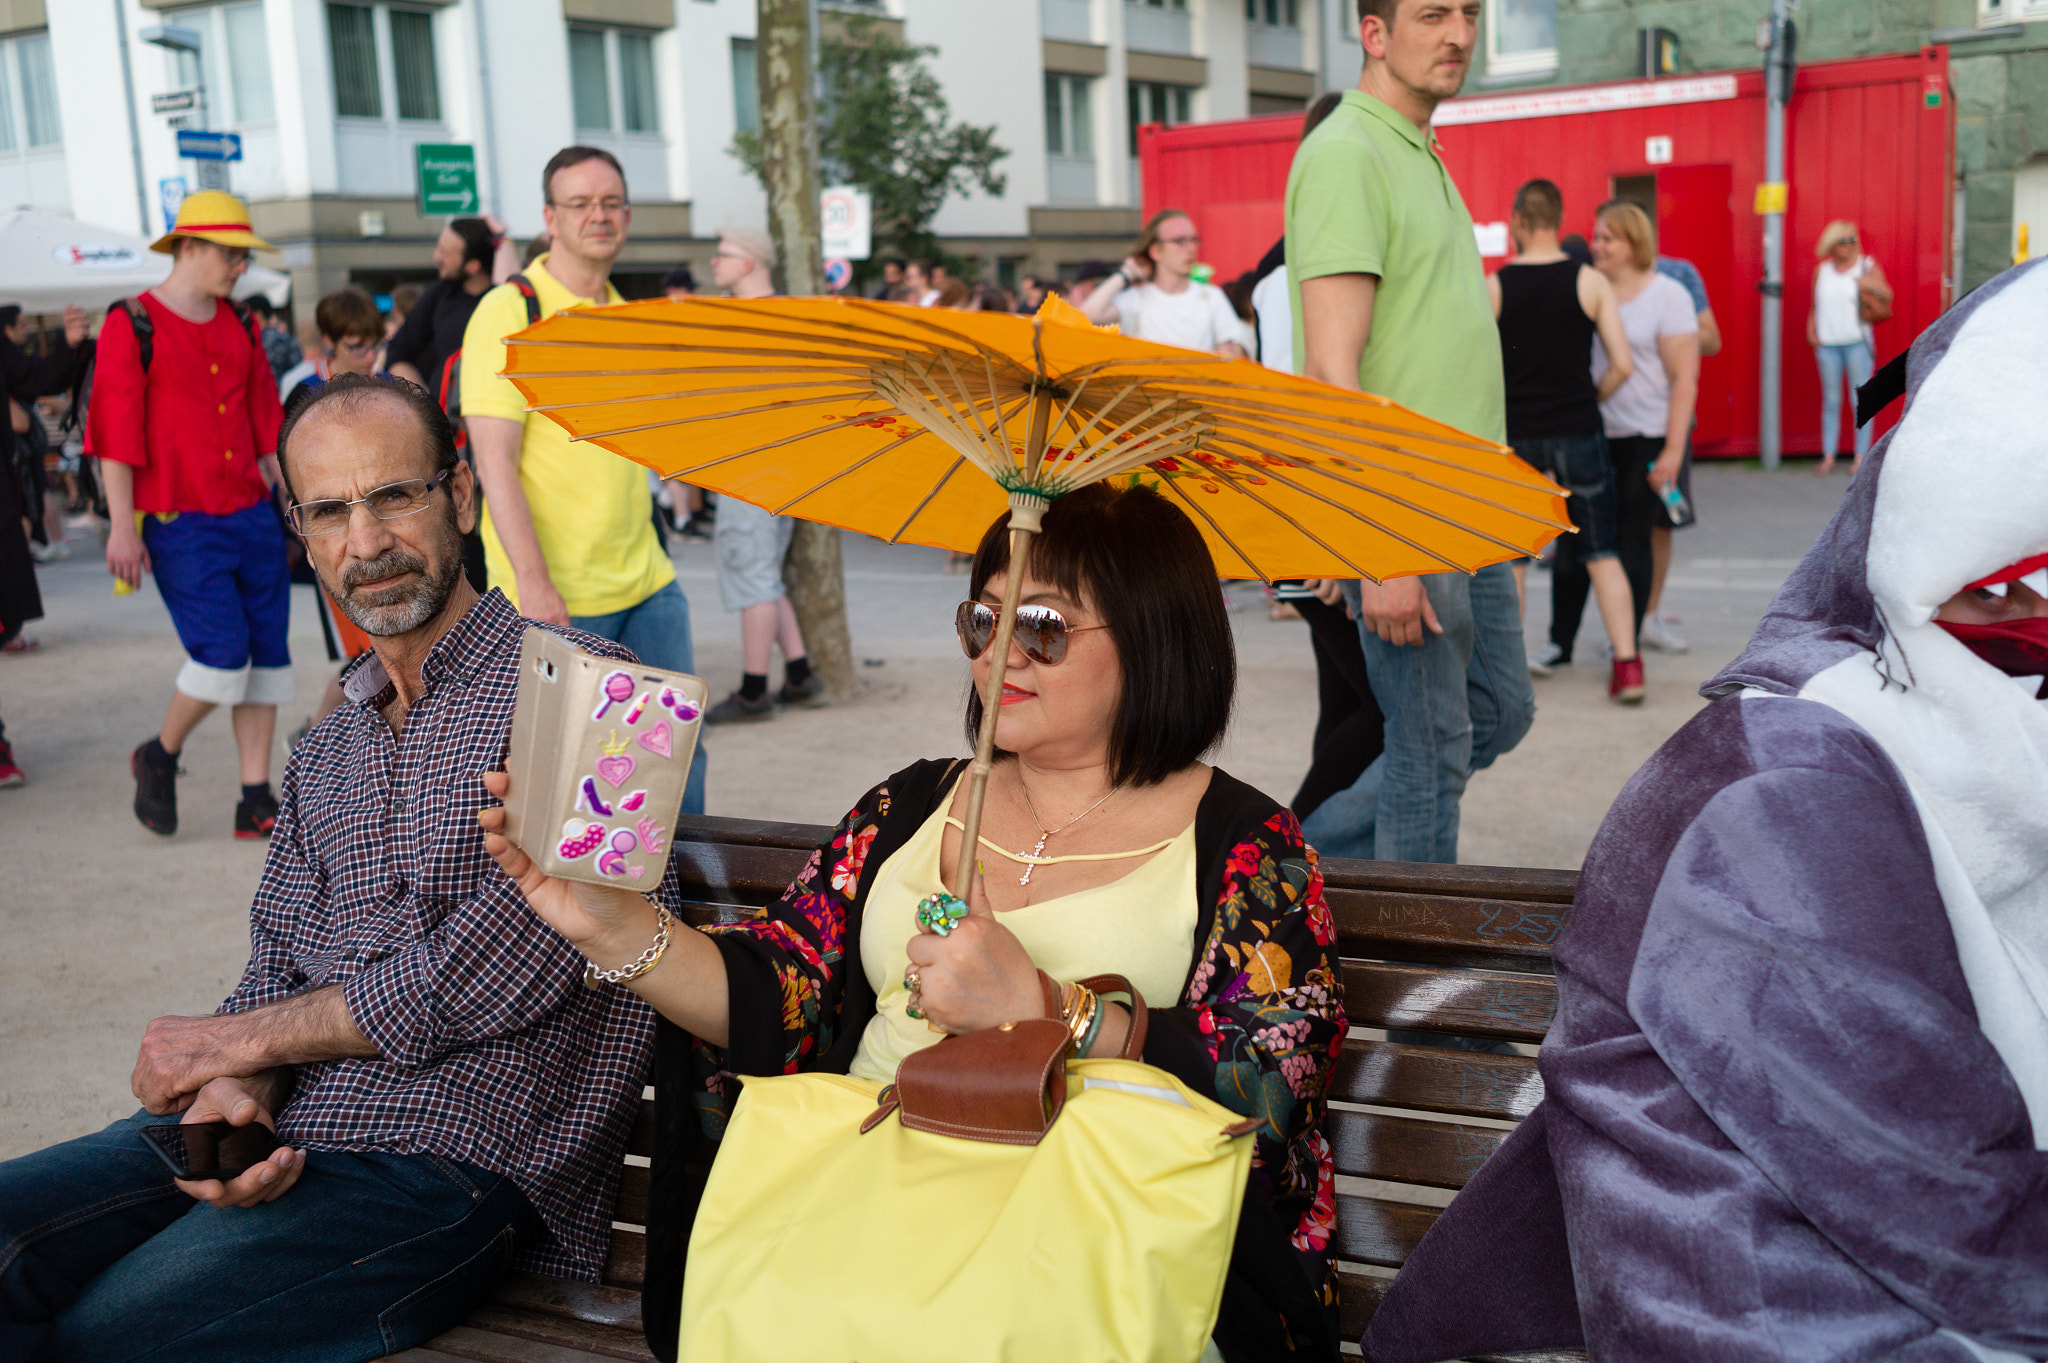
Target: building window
(746, 87)
(359, 36)
(1278, 13)
(248, 49)
(412, 61)
(607, 60)
(1995, 13)
(1069, 121)
(589, 83)
(1152, 101)
(1161, 4)
(1521, 36)
(38, 91)
(352, 41)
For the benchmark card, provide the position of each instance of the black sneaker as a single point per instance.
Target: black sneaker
(737, 709)
(698, 526)
(255, 818)
(156, 788)
(809, 694)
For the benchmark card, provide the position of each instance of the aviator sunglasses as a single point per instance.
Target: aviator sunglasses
(1042, 632)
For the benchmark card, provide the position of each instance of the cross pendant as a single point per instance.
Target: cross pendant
(1029, 867)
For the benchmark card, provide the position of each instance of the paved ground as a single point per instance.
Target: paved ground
(107, 926)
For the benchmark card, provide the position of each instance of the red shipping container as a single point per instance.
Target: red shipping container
(1870, 140)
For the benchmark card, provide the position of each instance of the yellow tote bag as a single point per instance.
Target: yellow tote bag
(1107, 1239)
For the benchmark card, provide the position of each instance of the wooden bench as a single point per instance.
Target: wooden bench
(1454, 949)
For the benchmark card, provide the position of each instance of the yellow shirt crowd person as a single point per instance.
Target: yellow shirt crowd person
(568, 529)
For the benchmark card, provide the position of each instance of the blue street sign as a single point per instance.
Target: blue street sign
(199, 145)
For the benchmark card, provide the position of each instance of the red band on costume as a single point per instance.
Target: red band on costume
(2018, 648)
(210, 227)
(2012, 572)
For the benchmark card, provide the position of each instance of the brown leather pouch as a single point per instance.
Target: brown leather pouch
(1006, 1084)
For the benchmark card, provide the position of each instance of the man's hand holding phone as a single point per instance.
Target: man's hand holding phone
(233, 1101)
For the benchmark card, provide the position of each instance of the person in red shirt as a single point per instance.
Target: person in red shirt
(184, 420)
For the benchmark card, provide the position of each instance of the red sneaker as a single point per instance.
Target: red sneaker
(1626, 686)
(10, 775)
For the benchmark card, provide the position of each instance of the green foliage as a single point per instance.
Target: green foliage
(885, 127)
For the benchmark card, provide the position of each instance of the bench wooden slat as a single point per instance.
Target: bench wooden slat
(1433, 1079)
(625, 1259)
(1515, 934)
(1489, 1003)
(539, 1327)
(632, 1203)
(1405, 1150)
(1372, 1230)
(488, 1346)
(1358, 1296)
(594, 1302)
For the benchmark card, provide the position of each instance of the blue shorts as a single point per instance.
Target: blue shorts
(229, 590)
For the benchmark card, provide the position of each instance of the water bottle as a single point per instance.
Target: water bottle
(1675, 503)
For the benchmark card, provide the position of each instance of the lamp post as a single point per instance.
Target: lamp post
(1779, 62)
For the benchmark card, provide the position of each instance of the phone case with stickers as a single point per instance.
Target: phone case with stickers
(600, 754)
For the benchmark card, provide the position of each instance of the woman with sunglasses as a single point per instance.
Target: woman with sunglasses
(1107, 846)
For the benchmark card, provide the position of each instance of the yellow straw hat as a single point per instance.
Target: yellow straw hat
(216, 216)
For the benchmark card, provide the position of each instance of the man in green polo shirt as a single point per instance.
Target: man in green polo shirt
(1389, 297)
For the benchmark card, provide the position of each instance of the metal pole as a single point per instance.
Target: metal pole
(134, 126)
(1778, 68)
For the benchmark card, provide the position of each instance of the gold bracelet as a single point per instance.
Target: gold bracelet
(1081, 1019)
(640, 965)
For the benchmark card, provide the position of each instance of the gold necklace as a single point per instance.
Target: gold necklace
(1045, 834)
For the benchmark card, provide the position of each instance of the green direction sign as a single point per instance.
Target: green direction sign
(447, 180)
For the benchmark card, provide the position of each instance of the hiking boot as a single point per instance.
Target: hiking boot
(255, 818)
(809, 694)
(156, 788)
(1658, 634)
(10, 775)
(1548, 659)
(737, 709)
(1626, 686)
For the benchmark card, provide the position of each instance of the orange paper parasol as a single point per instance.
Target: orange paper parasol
(922, 426)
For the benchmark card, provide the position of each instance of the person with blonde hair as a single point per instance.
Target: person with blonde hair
(1848, 287)
(1648, 419)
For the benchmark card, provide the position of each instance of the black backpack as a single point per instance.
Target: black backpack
(449, 391)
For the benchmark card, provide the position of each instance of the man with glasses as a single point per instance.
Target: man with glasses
(351, 329)
(184, 420)
(449, 1098)
(1155, 297)
(568, 528)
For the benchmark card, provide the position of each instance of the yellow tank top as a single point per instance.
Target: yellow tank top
(1140, 926)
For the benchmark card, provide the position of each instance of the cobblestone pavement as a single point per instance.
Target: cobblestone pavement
(108, 926)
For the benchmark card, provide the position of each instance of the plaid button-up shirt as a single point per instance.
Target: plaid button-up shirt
(492, 1051)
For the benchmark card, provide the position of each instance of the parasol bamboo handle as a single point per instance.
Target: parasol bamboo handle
(1023, 525)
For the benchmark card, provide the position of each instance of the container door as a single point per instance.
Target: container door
(1696, 222)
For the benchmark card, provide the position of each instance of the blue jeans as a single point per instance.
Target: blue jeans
(1453, 703)
(658, 632)
(102, 1259)
(1837, 362)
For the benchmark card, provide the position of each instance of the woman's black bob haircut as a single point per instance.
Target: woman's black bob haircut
(1140, 564)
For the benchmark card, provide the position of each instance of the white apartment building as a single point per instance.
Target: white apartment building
(331, 97)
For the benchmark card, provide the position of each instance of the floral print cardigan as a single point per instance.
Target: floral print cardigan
(1260, 1021)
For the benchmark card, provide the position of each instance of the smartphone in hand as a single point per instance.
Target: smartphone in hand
(201, 1150)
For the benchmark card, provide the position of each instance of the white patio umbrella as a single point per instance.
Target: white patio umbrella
(48, 260)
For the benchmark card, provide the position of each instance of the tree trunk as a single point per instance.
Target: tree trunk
(812, 572)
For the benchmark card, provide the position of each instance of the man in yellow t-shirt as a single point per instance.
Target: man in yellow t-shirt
(568, 529)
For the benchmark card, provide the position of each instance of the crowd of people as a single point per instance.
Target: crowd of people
(1792, 1089)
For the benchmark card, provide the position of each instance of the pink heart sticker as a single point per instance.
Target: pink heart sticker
(659, 740)
(616, 769)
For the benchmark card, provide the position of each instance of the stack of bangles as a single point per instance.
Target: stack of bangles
(1082, 1011)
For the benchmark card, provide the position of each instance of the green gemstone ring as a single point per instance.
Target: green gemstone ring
(940, 913)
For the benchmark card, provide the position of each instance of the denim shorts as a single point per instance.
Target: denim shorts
(1579, 464)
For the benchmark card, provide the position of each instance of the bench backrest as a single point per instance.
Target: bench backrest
(1462, 950)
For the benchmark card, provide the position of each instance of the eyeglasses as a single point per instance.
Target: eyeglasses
(235, 256)
(356, 347)
(1180, 241)
(393, 501)
(584, 207)
(1042, 632)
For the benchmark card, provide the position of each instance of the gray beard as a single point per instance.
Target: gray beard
(399, 610)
